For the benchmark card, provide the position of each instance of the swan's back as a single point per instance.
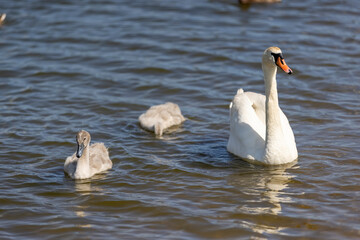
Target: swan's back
(158, 118)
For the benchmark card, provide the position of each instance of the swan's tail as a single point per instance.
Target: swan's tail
(158, 129)
(239, 91)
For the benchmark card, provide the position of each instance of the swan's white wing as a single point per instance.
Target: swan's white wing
(258, 104)
(247, 126)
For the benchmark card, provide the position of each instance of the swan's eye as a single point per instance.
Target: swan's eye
(277, 56)
(84, 138)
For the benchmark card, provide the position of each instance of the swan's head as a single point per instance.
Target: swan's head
(273, 57)
(83, 140)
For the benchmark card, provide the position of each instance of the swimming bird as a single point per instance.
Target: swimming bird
(160, 117)
(2, 17)
(259, 131)
(88, 160)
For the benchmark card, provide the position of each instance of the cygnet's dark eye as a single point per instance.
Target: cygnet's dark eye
(84, 138)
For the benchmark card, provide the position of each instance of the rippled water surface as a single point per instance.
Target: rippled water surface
(97, 65)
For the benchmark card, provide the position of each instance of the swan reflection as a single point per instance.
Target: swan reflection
(264, 191)
(85, 188)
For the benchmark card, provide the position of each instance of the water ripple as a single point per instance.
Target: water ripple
(97, 66)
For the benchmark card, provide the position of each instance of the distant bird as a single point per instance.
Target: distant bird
(2, 17)
(259, 130)
(87, 160)
(160, 117)
(258, 1)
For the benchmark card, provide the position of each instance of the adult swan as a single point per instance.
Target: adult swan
(259, 130)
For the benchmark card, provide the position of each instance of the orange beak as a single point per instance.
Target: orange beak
(281, 63)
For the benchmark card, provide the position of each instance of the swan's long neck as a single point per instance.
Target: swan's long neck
(273, 122)
(83, 164)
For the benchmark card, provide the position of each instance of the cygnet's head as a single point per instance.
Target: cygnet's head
(83, 140)
(273, 57)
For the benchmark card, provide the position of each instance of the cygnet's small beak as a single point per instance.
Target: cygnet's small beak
(79, 150)
(282, 64)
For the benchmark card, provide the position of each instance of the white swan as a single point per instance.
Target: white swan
(87, 160)
(159, 117)
(259, 130)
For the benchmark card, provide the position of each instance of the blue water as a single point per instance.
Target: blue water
(98, 65)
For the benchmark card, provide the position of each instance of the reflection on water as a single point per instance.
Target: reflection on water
(268, 186)
(83, 187)
(81, 212)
